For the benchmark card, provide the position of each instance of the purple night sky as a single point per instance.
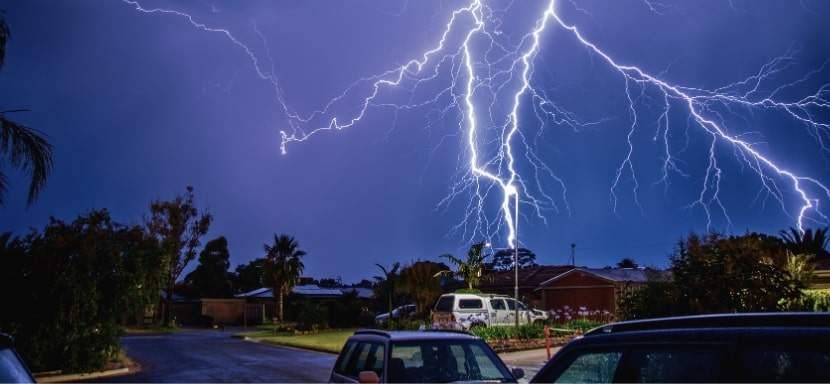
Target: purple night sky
(138, 106)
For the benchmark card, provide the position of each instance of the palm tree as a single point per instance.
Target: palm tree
(25, 148)
(284, 260)
(469, 270)
(809, 242)
(387, 283)
(800, 269)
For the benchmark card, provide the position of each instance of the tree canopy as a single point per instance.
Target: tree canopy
(211, 277)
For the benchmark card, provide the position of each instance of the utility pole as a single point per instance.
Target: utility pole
(573, 254)
(516, 261)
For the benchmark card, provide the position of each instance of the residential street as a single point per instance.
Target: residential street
(213, 356)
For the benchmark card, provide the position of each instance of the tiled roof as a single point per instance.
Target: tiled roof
(617, 275)
(309, 290)
(529, 277)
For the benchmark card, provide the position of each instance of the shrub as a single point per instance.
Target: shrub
(473, 291)
(812, 300)
(582, 324)
(312, 317)
(524, 332)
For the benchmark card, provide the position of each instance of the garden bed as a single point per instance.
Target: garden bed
(513, 345)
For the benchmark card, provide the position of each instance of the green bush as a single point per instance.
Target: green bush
(811, 300)
(524, 332)
(312, 317)
(581, 324)
(67, 289)
(468, 290)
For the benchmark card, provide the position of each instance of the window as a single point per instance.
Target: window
(444, 304)
(673, 365)
(445, 361)
(345, 356)
(521, 306)
(511, 304)
(782, 365)
(470, 304)
(360, 356)
(497, 304)
(594, 367)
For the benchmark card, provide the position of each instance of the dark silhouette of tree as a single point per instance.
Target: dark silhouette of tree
(717, 274)
(24, 148)
(329, 282)
(211, 277)
(811, 242)
(179, 228)
(627, 263)
(471, 269)
(503, 259)
(252, 275)
(284, 260)
(386, 283)
(68, 288)
(419, 282)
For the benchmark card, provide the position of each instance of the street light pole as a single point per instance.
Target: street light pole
(516, 260)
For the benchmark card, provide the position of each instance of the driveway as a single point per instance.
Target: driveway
(213, 356)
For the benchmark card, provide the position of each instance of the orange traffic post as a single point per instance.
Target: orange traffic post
(547, 340)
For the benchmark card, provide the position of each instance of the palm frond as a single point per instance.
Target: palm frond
(28, 151)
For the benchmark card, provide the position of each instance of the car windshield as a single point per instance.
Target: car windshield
(11, 370)
(443, 361)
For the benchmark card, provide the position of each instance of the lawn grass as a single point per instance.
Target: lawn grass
(325, 341)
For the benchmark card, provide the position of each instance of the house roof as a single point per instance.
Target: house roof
(616, 275)
(309, 290)
(529, 277)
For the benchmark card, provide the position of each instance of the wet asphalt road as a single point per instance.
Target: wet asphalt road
(213, 356)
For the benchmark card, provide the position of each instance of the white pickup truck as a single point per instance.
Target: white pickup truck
(465, 310)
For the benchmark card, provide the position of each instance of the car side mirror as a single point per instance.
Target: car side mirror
(370, 377)
(518, 373)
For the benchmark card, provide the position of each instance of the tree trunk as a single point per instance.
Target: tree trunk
(280, 303)
(169, 302)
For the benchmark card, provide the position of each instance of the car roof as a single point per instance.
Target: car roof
(416, 335)
(732, 320)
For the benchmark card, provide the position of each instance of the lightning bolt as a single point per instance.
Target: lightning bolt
(485, 82)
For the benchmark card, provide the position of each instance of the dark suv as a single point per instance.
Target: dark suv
(372, 356)
(12, 369)
(756, 347)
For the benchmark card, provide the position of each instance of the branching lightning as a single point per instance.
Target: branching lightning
(485, 81)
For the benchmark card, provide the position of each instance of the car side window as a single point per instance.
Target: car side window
(511, 304)
(345, 356)
(497, 304)
(362, 356)
(676, 364)
(521, 306)
(785, 365)
(589, 367)
(470, 304)
(444, 304)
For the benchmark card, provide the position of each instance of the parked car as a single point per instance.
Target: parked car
(758, 347)
(372, 356)
(12, 368)
(465, 310)
(401, 312)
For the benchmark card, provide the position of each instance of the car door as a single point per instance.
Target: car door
(498, 312)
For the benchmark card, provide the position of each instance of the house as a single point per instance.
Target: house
(821, 275)
(530, 278)
(592, 289)
(552, 287)
(260, 304)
